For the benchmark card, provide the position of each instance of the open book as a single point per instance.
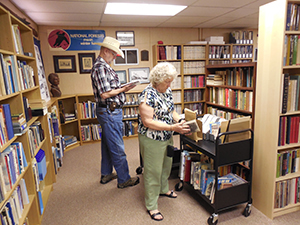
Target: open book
(134, 82)
(193, 125)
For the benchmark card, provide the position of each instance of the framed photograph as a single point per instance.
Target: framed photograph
(86, 61)
(126, 38)
(130, 57)
(122, 76)
(64, 63)
(141, 74)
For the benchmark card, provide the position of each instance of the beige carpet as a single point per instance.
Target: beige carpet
(79, 199)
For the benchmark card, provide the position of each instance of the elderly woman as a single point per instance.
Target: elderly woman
(158, 121)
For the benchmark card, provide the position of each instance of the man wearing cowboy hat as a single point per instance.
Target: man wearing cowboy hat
(110, 97)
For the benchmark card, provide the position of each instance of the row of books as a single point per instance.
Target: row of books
(178, 109)
(91, 132)
(194, 81)
(291, 54)
(241, 37)
(287, 192)
(6, 125)
(17, 39)
(242, 77)
(35, 136)
(293, 14)
(88, 109)
(131, 99)
(197, 169)
(15, 75)
(58, 152)
(169, 52)
(193, 95)
(237, 99)
(19, 123)
(198, 107)
(70, 140)
(288, 130)
(242, 52)
(194, 52)
(176, 96)
(223, 114)
(288, 162)
(242, 61)
(176, 83)
(217, 62)
(193, 67)
(130, 112)
(219, 52)
(236, 77)
(130, 127)
(13, 163)
(290, 93)
(214, 79)
(12, 210)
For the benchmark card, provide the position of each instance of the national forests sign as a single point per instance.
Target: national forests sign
(75, 40)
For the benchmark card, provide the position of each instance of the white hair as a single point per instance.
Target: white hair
(161, 72)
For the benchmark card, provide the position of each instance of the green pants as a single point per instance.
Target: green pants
(157, 168)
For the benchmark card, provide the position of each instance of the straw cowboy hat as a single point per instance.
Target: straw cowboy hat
(112, 44)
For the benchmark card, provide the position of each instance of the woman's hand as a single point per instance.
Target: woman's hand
(182, 129)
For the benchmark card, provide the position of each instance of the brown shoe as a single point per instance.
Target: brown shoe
(107, 178)
(131, 182)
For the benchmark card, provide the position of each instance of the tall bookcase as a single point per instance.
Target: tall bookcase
(38, 191)
(272, 30)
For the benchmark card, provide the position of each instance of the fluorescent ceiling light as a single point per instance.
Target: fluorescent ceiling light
(143, 9)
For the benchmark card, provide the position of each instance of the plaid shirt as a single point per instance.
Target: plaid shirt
(105, 79)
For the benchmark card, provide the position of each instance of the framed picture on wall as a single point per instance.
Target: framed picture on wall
(126, 38)
(64, 63)
(122, 76)
(130, 57)
(86, 61)
(141, 74)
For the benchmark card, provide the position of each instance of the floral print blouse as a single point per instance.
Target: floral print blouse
(163, 106)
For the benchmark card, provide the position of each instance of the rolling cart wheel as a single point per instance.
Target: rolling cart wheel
(179, 186)
(212, 220)
(247, 210)
(139, 170)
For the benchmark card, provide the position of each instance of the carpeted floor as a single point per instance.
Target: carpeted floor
(79, 199)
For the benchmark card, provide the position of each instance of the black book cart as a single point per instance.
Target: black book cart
(223, 154)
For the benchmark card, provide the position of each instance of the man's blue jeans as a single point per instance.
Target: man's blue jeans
(112, 145)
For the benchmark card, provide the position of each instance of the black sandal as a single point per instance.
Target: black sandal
(171, 195)
(154, 215)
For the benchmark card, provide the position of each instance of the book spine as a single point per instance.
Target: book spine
(286, 79)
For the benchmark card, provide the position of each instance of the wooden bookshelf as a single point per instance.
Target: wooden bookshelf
(269, 87)
(14, 98)
(238, 82)
(191, 65)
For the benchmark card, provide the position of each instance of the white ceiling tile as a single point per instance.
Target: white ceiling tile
(168, 2)
(59, 6)
(222, 3)
(187, 19)
(242, 12)
(257, 4)
(124, 18)
(69, 23)
(129, 24)
(204, 11)
(64, 17)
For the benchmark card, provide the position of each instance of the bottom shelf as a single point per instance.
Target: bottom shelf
(287, 209)
(26, 209)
